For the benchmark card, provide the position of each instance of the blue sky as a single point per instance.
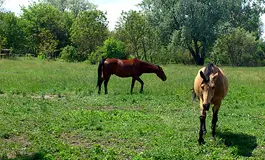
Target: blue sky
(112, 7)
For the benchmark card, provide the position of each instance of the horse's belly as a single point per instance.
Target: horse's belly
(124, 74)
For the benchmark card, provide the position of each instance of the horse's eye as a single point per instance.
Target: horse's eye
(213, 87)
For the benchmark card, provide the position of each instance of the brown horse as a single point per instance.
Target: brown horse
(211, 86)
(126, 68)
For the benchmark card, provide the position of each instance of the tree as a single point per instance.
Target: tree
(199, 22)
(114, 49)
(44, 18)
(2, 2)
(11, 32)
(246, 14)
(238, 48)
(74, 6)
(135, 31)
(88, 31)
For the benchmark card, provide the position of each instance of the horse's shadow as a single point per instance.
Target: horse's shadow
(34, 156)
(244, 143)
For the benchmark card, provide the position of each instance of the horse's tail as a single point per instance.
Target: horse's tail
(193, 96)
(100, 66)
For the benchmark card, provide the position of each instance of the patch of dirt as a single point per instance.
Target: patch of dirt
(47, 96)
(106, 142)
(16, 139)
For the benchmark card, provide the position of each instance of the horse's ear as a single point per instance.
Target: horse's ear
(215, 76)
(203, 76)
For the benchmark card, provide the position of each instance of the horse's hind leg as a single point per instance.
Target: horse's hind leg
(106, 85)
(132, 85)
(99, 85)
(142, 84)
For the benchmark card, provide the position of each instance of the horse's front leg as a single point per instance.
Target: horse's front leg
(132, 85)
(142, 84)
(202, 123)
(214, 119)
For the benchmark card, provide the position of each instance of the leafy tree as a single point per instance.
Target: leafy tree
(2, 2)
(74, 6)
(114, 49)
(69, 54)
(48, 43)
(199, 22)
(11, 32)
(238, 48)
(135, 31)
(88, 31)
(130, 30)
(43, 17)
(246, 14)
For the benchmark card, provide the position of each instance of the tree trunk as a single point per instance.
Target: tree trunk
(196, 55)
(145, 56)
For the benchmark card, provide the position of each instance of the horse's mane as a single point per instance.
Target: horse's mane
(208, 71)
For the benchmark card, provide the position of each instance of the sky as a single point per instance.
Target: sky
(112, 7)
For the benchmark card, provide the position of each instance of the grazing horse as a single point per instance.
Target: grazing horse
(126, 68)
(211, 86)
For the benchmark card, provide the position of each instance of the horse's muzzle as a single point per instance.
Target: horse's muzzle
(206, 106)
(164, 79)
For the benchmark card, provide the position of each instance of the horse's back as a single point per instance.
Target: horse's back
(121, 68)
(221, 85)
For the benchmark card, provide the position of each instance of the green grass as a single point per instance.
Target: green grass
(51, 110)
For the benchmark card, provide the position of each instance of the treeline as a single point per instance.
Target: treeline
(174, 31)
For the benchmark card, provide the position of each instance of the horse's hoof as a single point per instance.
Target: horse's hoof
(204, 132)
(213, 138)
(201, 141)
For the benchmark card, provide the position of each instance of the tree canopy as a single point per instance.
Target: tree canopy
(172, 31)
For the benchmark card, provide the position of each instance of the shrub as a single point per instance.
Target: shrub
(237, 48)
(112, 48)
(69, 54)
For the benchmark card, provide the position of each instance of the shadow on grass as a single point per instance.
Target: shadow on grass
(35, 156)
(244, 143)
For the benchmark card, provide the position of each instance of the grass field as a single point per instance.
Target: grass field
(51, 110)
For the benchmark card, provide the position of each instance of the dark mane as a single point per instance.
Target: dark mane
(208, 70)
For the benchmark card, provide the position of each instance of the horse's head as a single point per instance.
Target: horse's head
(207, 89)
(160, 73)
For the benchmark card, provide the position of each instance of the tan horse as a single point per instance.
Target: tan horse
(211, 86)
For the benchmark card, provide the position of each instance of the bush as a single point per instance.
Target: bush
(69, 54)
(162, 56)
(237, 48)
(96, 56)
(112, 48)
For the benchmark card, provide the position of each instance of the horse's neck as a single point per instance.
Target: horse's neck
(148, 68)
